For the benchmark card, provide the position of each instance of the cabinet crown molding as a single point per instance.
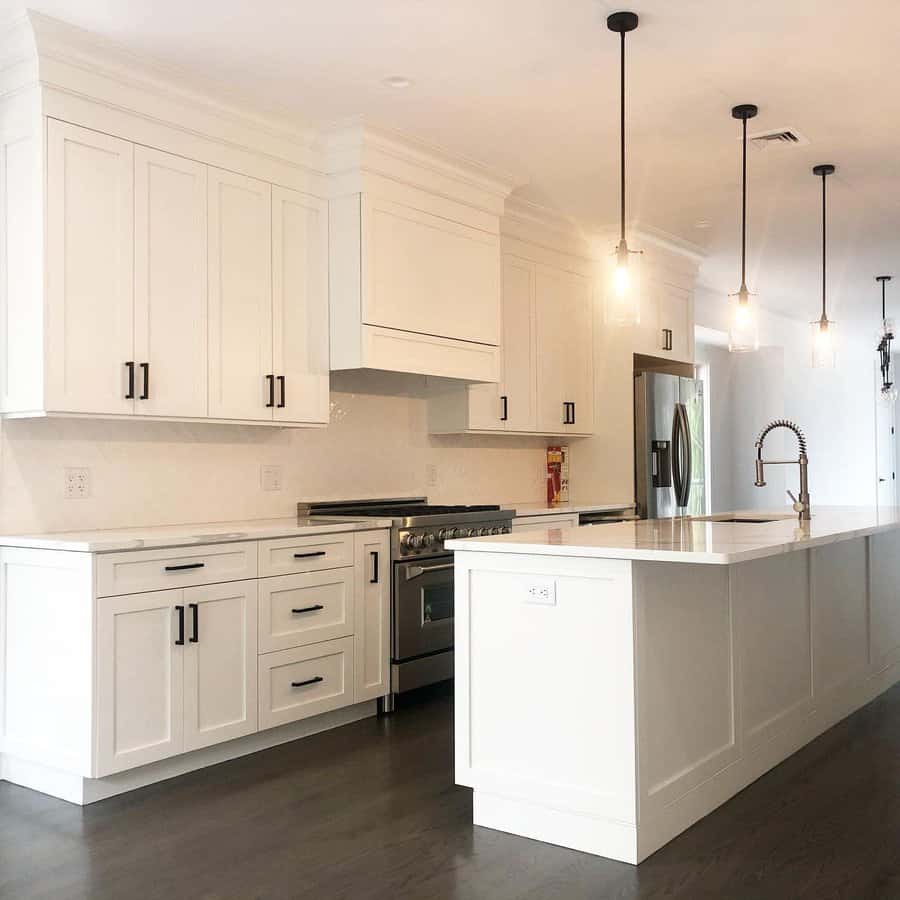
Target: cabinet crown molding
(356, 148)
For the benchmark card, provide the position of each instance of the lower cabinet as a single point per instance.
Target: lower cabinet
(189, 667)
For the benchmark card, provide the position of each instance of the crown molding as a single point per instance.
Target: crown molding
(359, 147)
(674, 244)
(535, 223)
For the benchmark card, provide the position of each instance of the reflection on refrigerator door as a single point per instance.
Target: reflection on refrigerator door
(670, 451)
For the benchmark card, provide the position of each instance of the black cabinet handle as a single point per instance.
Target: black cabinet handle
(667, 338)
(566, 412)
(195, 622)
(314, 680)
(185, 567)
(281, 386)
(504, 406)
(569, 413)
(145, 369)
(130, 366)
(573, 413)
(180, 611)
(374, 578)
(270, 379)
(304, 609)
(309, 555)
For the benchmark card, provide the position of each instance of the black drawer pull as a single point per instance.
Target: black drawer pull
(195, 615)
(185, 567)
(130, 394)
(504, 408)
(180, 611)
(374, 578)
(314, 680)
(312, 608)
(281, 385)
(310, 554)
(145, 394)
(270, 380)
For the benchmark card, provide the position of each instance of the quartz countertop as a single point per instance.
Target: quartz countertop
(155, 536)
(561, 509)
(694, 540)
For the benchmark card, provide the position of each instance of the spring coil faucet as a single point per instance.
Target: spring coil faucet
(801, 505)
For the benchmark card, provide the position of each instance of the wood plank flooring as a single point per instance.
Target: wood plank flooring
(370, 811)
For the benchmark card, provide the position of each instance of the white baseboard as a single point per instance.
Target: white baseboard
(79, 790)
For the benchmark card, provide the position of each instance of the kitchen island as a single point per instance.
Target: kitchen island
(616, 683)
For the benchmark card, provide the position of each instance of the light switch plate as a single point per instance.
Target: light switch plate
(271, 478)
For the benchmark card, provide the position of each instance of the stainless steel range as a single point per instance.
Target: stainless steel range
(422, 577)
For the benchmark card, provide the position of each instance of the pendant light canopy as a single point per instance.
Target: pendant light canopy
(888, 390)
(743, 318)
(624, 305)
(823, 329)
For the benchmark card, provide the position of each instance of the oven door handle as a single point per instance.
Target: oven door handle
(416, 571)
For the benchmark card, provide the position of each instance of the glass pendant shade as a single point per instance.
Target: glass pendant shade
(624, 306)
(824, 349)
(743, 322)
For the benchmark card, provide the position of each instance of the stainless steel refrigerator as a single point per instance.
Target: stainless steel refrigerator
(669, 446)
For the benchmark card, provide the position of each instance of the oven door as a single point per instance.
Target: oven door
(423, 607)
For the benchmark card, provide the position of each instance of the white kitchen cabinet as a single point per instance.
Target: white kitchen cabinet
(666, 329)
(372, 646)
(530, 523)
(564, 329)
(241, 378)
(300, 306)
(89, 272)
(140, 679)
(220, 696)
(170, 271)
(413, 290)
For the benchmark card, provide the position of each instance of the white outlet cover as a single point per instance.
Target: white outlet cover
(541, 592)
(271, 478)
(431, 475)
(77, 483)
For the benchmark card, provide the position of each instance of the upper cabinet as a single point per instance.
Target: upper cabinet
(547, 380)
(174, 289)
(413, 291)
(666, 329)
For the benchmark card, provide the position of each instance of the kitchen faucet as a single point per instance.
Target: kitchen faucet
(801, 506)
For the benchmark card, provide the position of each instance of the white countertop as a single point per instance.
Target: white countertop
(561, 509)
(155, 536)
(694, 540)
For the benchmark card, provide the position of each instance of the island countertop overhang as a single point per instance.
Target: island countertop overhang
(694, 540)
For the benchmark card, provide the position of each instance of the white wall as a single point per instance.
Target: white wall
(154, 473)
(835, 408)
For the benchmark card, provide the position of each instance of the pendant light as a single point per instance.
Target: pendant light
(743, 314)
(624, 305)
(823, 329)
(888, 392)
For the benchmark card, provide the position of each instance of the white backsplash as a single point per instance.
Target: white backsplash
(150, 473)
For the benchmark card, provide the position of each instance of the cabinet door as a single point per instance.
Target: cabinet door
(220, 699)
(300, 306)
(554, 336)
(170, 329)
(675, 323)
(240, 297)
(372, 616)
(580, 356)
(89, 270)
(429, 275)
(139, 680)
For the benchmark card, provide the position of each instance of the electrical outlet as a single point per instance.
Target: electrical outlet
(431, 475)
(271, 478)
(77, 484)
(542, 593)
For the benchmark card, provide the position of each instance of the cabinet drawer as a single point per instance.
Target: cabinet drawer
(302, 609)
(306, 681)
(153, 570)
(305, 554)
(522, 523)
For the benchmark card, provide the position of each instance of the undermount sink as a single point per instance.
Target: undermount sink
(745, 521)
(745, 518)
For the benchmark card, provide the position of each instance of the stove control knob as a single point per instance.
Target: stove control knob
(483, 531)
(497, 529)
(429, 538)
(412, 541)
(447, 534)
(505, 529)
(471, 532)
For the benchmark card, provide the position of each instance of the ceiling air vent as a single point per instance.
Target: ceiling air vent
(788, 137)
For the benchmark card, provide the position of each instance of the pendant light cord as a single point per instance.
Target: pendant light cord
(744, 211)
(622, 132)
(824, 176)
(883, 307)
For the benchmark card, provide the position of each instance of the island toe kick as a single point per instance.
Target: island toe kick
(606, 704)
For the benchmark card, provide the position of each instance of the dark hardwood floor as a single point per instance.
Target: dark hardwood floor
(370, 811)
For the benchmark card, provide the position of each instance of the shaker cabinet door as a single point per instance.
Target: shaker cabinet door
(170, 271)
(372, 616)
(241, 377)
(89, 271)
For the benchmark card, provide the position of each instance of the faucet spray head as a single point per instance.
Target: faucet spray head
(760, 474)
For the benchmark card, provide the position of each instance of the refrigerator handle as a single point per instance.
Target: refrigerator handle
(682, 462)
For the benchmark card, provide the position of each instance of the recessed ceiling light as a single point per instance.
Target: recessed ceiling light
(702, 223)
(398, 81)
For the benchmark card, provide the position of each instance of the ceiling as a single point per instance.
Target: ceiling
(532, 87)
